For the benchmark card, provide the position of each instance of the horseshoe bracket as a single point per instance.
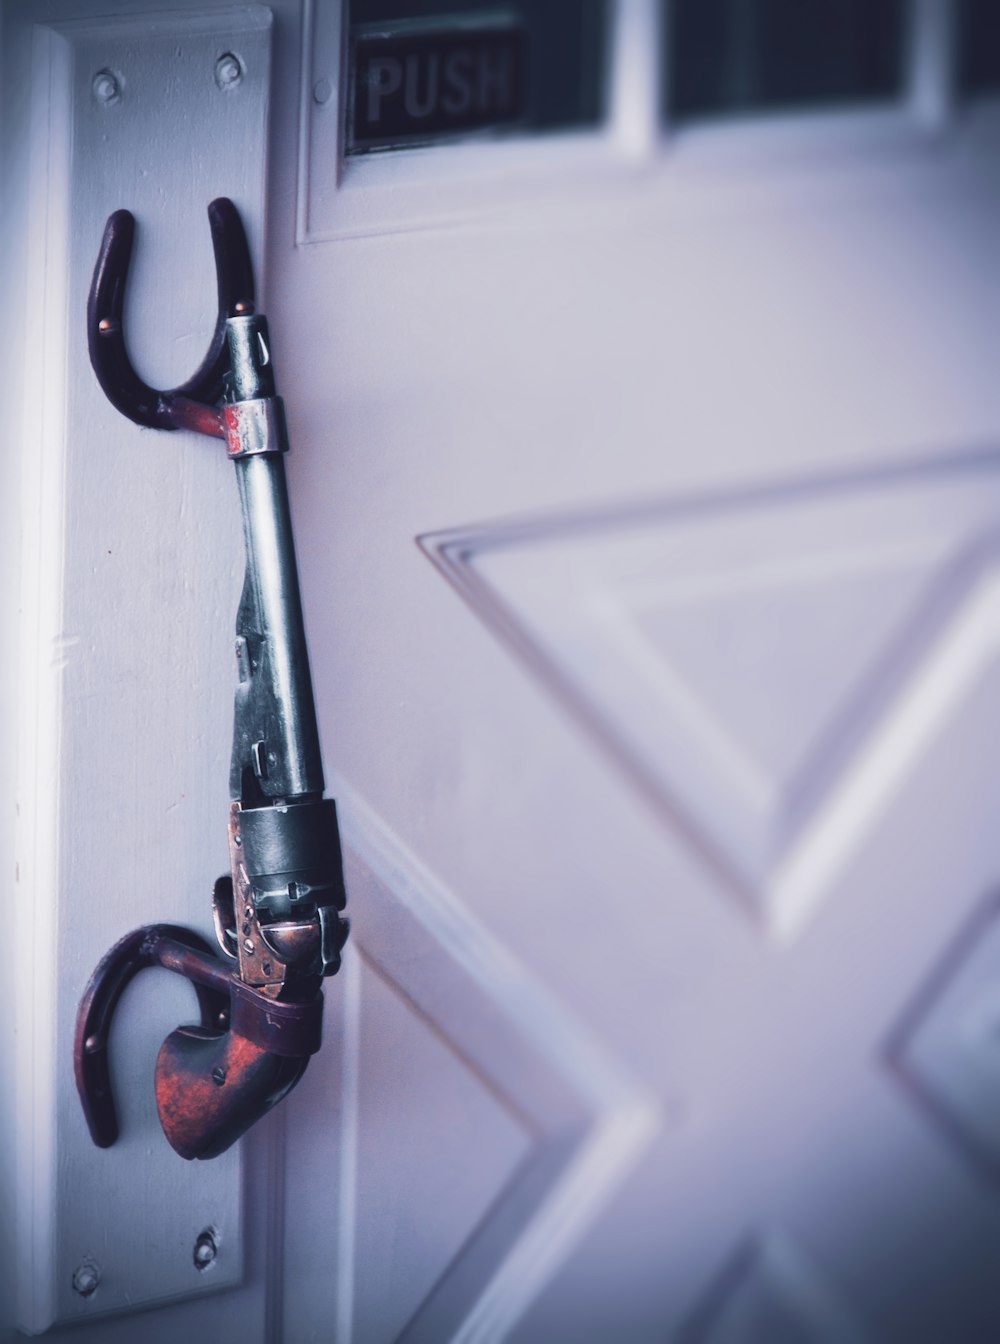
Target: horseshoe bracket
(190, 405)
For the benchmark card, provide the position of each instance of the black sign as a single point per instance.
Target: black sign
(416, 86)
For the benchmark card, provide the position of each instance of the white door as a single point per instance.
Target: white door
(647, 509)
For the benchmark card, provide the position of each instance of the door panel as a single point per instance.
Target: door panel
(708, 448)
(479, 1130)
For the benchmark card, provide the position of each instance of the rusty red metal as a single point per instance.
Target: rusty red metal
(214, 1079)
(212, 1086)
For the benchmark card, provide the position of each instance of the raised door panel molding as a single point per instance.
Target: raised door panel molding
(469, 1136)
(771, 1290)
(948, 1052)
(766, 665)
(130, 578)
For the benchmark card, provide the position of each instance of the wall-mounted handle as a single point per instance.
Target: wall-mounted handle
(278, 914)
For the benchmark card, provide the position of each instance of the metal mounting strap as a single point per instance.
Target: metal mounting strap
(255, 427)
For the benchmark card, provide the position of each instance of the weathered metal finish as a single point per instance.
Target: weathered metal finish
(190, 405)
(277, 914)
(211, 1089)
(247, 1046)
(274, 696)
(143, 947)
(255, 427)
(258, 963)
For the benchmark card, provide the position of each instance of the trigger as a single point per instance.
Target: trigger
(224, 915)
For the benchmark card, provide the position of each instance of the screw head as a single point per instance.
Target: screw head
(206, 1248)
(218, 1075)
(322, 92)
(106, 87)
(228, 71)
(86, 1277)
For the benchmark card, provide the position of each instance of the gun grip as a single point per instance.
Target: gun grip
(212, 1086)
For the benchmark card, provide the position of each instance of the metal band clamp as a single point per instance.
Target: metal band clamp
(255, 427)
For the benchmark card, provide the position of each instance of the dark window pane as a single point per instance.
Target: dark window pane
(737, 56)
(979, 38)
(426, 70)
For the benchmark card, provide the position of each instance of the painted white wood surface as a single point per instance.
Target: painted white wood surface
(756, 659)
(130, 575)
(569, 1089)
(767, 312)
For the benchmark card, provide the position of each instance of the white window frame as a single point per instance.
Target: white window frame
(433, 186)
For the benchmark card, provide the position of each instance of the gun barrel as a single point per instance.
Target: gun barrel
(276, 740)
